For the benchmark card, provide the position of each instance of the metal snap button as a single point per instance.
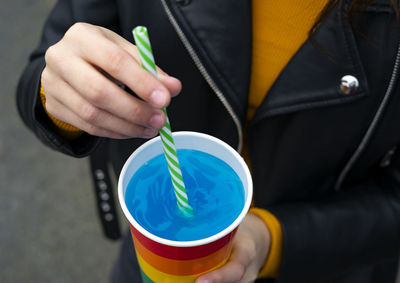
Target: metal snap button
(105, 206)
(99, 174)
(104, 196)
(183, 2)
(102, 185)
(349, 84)
(108, 217)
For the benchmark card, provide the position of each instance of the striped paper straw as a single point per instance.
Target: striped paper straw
(146, 57)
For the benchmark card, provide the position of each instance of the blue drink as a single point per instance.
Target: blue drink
(214, 190)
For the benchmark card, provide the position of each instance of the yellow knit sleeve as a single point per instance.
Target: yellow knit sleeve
(273, 262)
(64, 129)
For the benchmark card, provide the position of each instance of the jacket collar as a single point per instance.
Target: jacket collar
(318, 69)
(312, 77)
(226, 59)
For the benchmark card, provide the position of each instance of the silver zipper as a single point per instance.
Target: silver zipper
(373, 124)
(205, 74)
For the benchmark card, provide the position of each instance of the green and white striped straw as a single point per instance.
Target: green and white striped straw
(146, 57)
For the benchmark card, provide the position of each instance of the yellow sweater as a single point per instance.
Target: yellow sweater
(280, 27)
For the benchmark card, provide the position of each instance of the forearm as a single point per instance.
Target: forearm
(64, 129)
(274, 258)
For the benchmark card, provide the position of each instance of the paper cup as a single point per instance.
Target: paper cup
(163, 260)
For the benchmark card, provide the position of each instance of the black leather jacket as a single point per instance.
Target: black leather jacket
(324, 162)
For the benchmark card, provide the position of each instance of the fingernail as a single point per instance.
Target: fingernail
(149, 132)
(157, 121)
(158, 97)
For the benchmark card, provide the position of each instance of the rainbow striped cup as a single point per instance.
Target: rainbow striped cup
(163, 260)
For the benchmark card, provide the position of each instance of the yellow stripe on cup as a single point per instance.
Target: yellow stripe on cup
(183, 267)
(161, 277)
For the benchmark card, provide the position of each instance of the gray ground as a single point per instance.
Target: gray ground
(49, 231)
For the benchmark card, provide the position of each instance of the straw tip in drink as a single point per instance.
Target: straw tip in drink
(186, 212)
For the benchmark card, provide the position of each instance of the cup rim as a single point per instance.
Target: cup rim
(192, 243)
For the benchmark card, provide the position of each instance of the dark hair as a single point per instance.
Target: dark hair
(353, 8)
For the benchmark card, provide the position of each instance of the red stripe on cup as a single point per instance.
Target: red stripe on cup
(183, 267)
(181, 253)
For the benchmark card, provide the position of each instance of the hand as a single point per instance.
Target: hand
(249, 252)
(78, 92)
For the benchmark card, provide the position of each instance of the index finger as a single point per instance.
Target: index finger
(173, 85)
(120, 64)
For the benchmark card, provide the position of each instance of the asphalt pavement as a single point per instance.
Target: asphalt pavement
(49, 231)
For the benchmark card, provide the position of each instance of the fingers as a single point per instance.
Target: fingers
(172, 84)
(120, 64)
(237, 268)
(70, 118)
(96, 89)
(75, 84)
(250, 248)
(78, 112)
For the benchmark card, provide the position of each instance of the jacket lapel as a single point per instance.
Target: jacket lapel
(312, 77)
(219, 31)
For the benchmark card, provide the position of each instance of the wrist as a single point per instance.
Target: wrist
(64, 129)
(273, 260)
(262, 238)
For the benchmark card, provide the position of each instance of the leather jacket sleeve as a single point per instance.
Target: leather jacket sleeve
(64, 14)
(355, 228)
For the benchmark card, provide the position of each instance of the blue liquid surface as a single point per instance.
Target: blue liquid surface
(214, 190)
